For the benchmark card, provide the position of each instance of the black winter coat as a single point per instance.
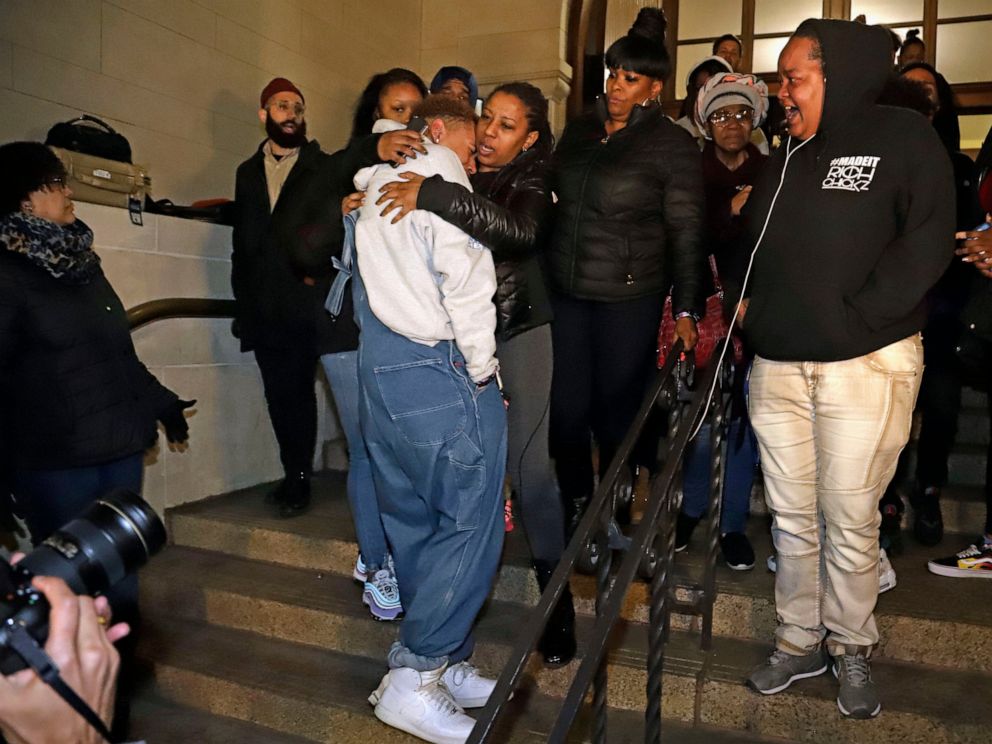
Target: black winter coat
(72, 390)
(508, 214)
(281, 265)
(629, 212)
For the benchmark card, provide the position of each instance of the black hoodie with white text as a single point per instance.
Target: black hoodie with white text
(863, 224)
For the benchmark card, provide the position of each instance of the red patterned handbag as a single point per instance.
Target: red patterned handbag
(712, 327)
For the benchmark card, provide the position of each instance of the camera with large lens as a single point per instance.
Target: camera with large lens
(115, 536)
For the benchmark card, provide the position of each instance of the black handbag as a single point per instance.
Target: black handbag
(91, 136)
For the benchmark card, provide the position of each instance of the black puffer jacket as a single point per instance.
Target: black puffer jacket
(508, 214)
(629, 212)
(72, 390)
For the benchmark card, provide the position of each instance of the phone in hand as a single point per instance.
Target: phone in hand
(417, 124)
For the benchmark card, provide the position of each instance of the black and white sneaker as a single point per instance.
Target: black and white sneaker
(684, 527)
(974, 562)
(737, 551)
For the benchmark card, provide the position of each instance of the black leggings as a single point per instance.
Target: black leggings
(525, 366)
(604, 357)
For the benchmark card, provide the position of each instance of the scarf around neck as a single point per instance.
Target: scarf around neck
(64, 251)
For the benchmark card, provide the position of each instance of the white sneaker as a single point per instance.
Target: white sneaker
(360, 574)
(469, 688)
(418, 703)
(886, 574)
(377, 693)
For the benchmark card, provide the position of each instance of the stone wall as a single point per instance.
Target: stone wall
(181, 78)
(508, 40)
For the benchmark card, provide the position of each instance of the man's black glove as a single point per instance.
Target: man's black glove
(176, 426)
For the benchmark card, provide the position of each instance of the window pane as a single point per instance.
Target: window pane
(775, 16)
(958, 55)
(702, 18)
(974, 128)
(888, 11)
(766, 53)
(689, 56)
(959, 8)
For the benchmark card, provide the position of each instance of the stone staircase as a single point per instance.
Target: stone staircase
(255, 632)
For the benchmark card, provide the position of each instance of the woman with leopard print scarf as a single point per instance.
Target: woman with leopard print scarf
(78, 409)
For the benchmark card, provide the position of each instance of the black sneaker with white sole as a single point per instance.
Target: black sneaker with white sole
(684, 527)
(737, 551)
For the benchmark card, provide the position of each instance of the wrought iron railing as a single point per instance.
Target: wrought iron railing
(648, 554)
(179, 307)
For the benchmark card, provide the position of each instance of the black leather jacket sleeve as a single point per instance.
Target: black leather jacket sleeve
(510, 232)
(683, 216)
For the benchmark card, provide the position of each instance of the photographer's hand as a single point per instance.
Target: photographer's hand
(81, 644)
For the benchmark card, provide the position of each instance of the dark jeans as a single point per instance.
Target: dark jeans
(738, 476)
(604, 356)
(939, 403)
(288, 380)
(438, 448)
(526, 366)
(48, 499)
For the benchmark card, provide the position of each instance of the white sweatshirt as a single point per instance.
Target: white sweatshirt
(426, 279)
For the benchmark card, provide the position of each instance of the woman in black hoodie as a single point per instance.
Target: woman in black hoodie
(628, 224)
(508, 214)
(852, 222)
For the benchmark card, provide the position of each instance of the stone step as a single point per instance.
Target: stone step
(965, 465)
(160, 721)
(962, 506)
(320, 695)
(973, 425)
(321, 546)
(972, 398)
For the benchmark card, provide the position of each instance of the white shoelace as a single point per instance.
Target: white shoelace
(439, 698)
(462, 671)
(779, 657)
(857, 670)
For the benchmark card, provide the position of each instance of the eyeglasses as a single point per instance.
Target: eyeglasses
(722, 119)
(297, 109)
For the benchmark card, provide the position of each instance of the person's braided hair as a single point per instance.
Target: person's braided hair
(536, 107)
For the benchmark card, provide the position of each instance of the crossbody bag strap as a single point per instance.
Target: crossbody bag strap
(34, 655)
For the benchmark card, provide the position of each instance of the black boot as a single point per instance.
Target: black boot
(295, 497)
(575, 509)
(557, 645)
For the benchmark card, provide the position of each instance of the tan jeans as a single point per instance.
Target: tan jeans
(830, 434)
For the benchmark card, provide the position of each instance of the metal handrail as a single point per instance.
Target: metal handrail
(594, 541)
(179, 307)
